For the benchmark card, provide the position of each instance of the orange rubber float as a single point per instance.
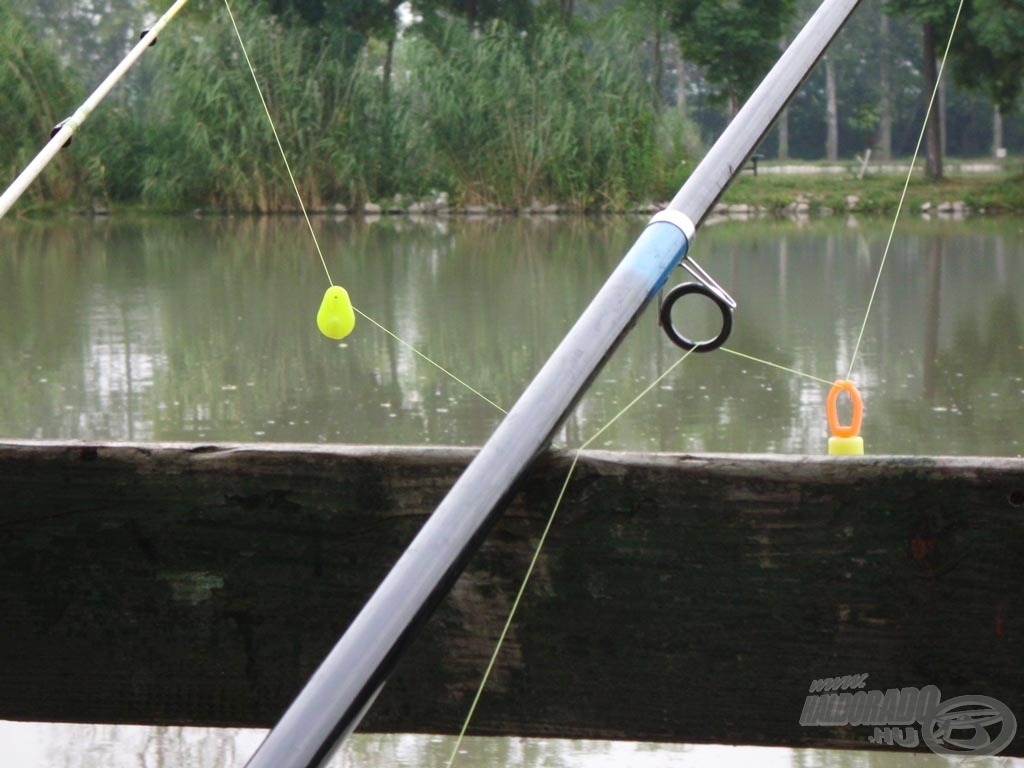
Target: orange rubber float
(845, 439)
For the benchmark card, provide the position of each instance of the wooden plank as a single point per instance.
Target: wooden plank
(680, 598)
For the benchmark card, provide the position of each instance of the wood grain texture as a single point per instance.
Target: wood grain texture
(680, 598)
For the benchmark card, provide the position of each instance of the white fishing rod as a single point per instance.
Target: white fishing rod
(346, 684)
(67, 129)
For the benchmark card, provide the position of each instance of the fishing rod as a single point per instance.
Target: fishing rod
(348, 681)
(65, 130)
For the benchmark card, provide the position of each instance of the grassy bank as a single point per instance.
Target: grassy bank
(815, 195)
(988, 193)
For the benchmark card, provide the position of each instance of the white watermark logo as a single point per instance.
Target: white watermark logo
(964, 726)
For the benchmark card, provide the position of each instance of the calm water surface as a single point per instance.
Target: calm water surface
(120, 746)
(185, 329)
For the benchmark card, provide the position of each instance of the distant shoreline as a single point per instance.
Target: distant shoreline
(771, 194)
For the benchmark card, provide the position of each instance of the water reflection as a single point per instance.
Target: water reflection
(45, 745)
(183, 329)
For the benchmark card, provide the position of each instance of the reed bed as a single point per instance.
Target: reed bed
(491, 116)
(35, 94)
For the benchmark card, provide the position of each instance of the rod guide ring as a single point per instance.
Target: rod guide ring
(679, 339)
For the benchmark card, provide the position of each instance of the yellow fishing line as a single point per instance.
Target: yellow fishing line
(554, 511)
(572, 467)
(440, 367)
(537, 551)
(906, 185)
(343, 327)
(280, 147)
(776, 365)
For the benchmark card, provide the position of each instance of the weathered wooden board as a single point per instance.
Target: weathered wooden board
(680, 598)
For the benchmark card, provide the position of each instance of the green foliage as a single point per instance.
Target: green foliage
(1005, 195)
(489, 115)
(513, 118)
(35, 94)
(216, 146)
(991, 57)
(877, 193)
(937, 12)
(736, 42)
(436, 14)
(493, 101)
(988, 51)
(342, 25)
(678, 145)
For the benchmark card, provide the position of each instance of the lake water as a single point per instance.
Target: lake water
(203, 330)
(119, 746)
(186, 329)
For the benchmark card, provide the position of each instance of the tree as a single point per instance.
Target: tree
(735, 42)
(831, 112)
(837, 107)
(783, 121)
(518, 13)
(348, 26)
(649, 22)
(92, 35)
(990, 57)
(345, 25)
(884, 141)
(931, 15)
(988, 52)
(657, 13)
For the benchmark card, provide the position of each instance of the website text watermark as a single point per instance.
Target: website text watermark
(966, 726)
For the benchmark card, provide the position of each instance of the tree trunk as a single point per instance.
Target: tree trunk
(657, 65)
(784, 134)
(997, 131)
(933, 137)
(831, 112)
(680, 82)
(783, 120)
(943, 135)
(884, 144)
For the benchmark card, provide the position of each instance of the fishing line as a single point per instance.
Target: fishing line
(575, 460)
(280, 147)
(441, 368)
(776, 365)
(554, 512)
(906, 185)
(312, 232)
(540, 546)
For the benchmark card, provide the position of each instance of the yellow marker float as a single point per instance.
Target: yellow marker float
(336, 318)
(845, 440)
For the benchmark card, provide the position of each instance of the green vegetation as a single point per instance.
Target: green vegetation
(33, 90)
(215, 146)
(489, 117)
(512, 119)
(735, 42)
(502, 103)
(878, 193)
